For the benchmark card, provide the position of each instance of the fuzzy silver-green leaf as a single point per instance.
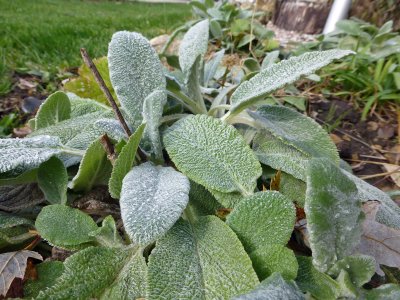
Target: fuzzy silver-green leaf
(56, 108)
(135, 72)
(263, 218)
(215, 265)
(212, 154)
(333, 214)
(152, 200)
(278, 75)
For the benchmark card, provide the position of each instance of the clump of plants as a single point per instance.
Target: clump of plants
(220, 196)
(232, 28)
(372, 75)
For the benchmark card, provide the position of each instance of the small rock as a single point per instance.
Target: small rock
(385, 132)
(30, 105)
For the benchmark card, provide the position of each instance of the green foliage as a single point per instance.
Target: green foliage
(333, 214)
(215, 233)
(215, 266)
(95, 168)
(53, 180)
(263, 218)
(371, 76)
(223, 160)
(69, 228)
(55, 109)
(49, 272)
(124, 162)
(152, 199)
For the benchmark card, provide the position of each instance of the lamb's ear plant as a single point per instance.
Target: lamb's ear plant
(198, 222)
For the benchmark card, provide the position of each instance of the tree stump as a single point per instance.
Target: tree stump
(304, 16)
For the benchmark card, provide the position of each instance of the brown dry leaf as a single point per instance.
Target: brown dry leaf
(395, 172)
(24, 84)
(13, 265)
(335, 138)
(275, 181)
(378, 240)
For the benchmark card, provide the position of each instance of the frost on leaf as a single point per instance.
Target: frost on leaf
(112, 128)
(135, 72)
(13, 265)
(333, 214)
(297, 131)
(263, 218)
(272, 288)
(152, 199)
(193, 45)
(212, 154)
(19, 155)
(278, 75)
(215, 265)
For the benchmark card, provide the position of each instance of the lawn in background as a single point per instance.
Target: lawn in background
(46, 35)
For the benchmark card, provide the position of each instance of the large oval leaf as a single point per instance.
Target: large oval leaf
(333, 212)
(215, 265)
(65, 227)
(263, 218)
(152, 199)
(212, 154)
(135, 71)
(278, 75)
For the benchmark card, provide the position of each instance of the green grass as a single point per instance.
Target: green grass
(47, 34)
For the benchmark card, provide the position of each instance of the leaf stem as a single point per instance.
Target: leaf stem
(109, 148)
(218, 107)
(88, 61)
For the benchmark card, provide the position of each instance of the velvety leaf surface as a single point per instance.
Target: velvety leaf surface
(212, 154)
(48, 273)
(152, 200)
(297, 130)
(13, 265)
(152, 112)
(19, 155)
(26, 177)
(384, 292)
(229, 200)
(388, 212)
(112, 128)
(107, 235)
(215, 265)
(293, 188)
(269, 59)
(131, 282)
(82, 106)
(272, 288)
(87, 274)
(95, 168)
(65, 227)
(262, 219)
(333, 214)
(360, 268)
(275, 153)
(201, 200)
(272, 258)
(56, 108)
(193, 45)
(318, 284)
(53, 181)
(124, 163)
(14, 197)
(278, 75)
(135, 72)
